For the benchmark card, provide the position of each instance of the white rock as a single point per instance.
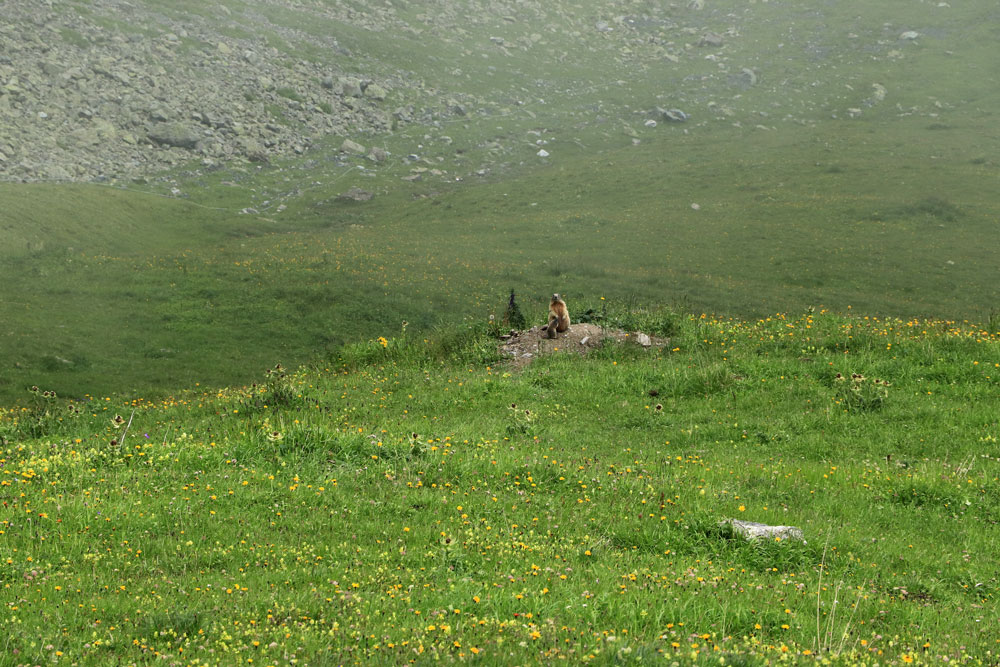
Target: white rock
(910, 34)
(542, 153)
(756, 531)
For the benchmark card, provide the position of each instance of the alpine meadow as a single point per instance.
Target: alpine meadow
(273, 389)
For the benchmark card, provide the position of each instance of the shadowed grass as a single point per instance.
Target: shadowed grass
(795, 208)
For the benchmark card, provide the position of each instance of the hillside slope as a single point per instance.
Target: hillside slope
(109, 89)
(263, 181)
(411, 500)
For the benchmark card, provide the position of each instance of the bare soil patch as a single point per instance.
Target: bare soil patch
(523, 347)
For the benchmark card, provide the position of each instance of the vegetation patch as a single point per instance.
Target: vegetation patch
(406, 498)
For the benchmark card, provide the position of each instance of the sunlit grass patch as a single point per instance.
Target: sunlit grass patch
(406, 499)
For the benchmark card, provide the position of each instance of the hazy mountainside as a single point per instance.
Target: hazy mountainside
(796, 199)
(266, 181)
(107, 89)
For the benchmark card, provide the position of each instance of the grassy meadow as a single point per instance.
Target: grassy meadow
(415, 501)
(394, 491)
(109, 290)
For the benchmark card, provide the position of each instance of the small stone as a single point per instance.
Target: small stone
(712, 39)
(673, 115)
(355, 194)
(376, 92)
(756, 531)
(351, 87)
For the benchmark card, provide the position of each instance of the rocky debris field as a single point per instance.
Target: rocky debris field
(114, 89)
(123, 90)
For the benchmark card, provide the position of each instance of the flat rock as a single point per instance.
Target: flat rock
(352, 147)
(757, 531)
(672, 115)
(712, 39)
(355, 194)
(377, 154)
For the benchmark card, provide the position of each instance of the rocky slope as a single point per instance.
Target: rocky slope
(122, 89)
(117, 89)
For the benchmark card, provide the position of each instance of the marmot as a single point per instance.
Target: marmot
(558, 317)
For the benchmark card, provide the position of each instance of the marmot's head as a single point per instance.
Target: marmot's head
(555, 297)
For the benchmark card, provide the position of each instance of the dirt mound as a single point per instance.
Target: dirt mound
(522, 347)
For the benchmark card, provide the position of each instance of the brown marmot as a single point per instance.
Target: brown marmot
(558, 317)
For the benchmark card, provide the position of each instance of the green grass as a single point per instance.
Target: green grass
(411, 500)
(158, 292)
(404, 496)
(892, 213)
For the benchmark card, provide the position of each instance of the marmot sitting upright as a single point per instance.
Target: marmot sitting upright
(558, 317)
